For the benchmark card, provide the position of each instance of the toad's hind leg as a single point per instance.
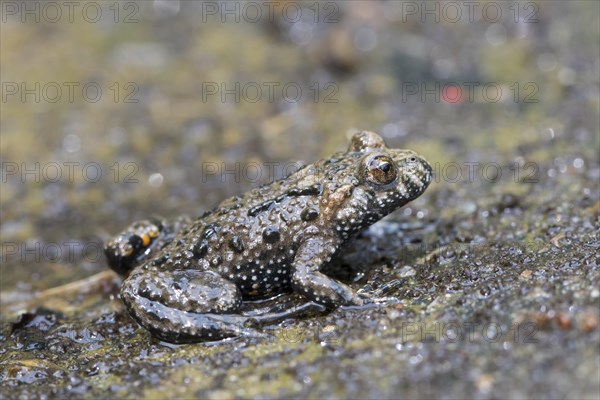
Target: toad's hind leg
(185, 306)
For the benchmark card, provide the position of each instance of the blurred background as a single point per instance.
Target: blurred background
(112, 112)
(116, 111)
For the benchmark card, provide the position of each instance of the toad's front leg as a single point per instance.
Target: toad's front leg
(314, 285)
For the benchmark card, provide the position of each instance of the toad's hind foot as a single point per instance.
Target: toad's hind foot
(176, 326)
(276, 316)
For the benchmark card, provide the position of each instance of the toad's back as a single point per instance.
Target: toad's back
(252, 239)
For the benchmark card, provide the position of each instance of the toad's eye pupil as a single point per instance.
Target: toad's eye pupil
(413, 159)
(380, 170)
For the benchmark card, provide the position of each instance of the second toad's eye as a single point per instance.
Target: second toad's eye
(381, 170)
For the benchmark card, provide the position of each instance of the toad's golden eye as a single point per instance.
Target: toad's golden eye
(381, 170)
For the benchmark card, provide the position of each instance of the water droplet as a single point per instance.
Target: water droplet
(496, 34)
(155, 180)
(72, 143)
(301, 33)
